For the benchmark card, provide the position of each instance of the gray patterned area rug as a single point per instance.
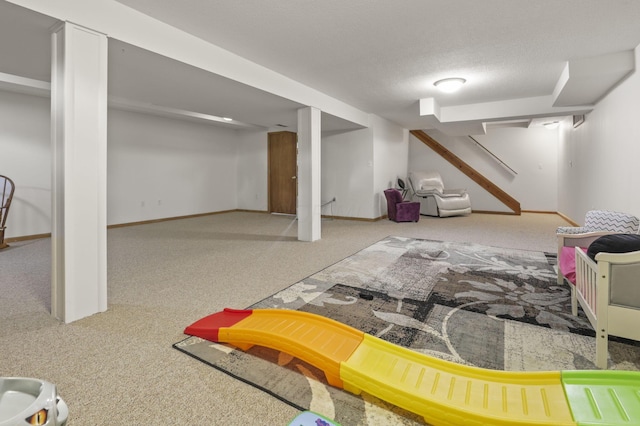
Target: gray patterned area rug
(484, 306)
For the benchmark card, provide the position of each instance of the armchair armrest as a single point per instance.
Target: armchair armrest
(619, 258)
(618, 278)
(579, 240)
(427, 192)
(453, 193)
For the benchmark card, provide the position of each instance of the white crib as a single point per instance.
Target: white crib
(608, 291)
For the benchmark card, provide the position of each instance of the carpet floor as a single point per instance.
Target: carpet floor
(473, 304)
(119, 368)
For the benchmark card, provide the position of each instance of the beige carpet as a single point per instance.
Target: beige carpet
(118, 367)
(472, 304)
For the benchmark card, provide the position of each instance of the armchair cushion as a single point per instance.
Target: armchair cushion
(603, 220)
(614, 243)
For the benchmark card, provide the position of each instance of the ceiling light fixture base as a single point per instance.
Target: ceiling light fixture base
(450, 85)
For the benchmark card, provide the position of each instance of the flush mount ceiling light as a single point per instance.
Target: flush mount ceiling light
(449, 85)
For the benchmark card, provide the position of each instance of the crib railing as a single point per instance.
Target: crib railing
(586, 289)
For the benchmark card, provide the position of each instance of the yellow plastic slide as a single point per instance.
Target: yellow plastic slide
(443, 392)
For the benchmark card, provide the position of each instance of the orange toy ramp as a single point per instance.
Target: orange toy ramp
(443, 392)
(320, 341)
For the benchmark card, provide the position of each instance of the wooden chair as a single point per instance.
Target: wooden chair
(6, 194)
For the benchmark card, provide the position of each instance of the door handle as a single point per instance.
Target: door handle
(293, 177)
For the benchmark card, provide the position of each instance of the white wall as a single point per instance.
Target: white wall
(174, 167)
(531, 153)
(390, 153)
(25, 157)
(598, 165)
(347, 173)
(357, 166)
(252, 172)
(159, 167)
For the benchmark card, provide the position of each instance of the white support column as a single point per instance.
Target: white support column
(79, 172)
(309, 166)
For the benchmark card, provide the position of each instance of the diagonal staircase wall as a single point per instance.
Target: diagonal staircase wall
(469, 171)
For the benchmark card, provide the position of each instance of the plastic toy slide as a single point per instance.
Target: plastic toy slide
(442, 392)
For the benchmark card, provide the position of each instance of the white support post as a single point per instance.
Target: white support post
(309, 166)
(79, 169)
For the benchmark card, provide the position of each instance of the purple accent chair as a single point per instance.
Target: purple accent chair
(400, 210)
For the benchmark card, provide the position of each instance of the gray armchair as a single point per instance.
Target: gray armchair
(428, 189)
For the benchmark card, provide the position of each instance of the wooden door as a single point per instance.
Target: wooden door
(283, 171)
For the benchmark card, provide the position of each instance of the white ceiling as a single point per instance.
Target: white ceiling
(380, 56)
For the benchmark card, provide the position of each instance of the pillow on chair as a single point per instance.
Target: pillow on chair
(614, 243)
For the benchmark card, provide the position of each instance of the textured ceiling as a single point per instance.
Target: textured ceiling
(382, 56)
